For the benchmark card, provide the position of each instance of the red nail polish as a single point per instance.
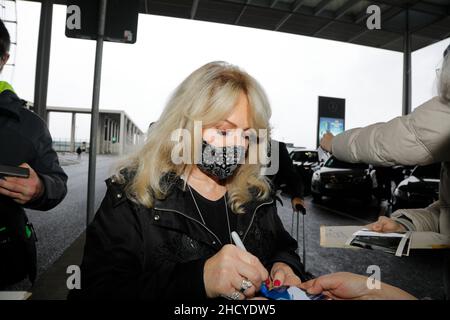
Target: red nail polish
(277, 283)
(267, 282)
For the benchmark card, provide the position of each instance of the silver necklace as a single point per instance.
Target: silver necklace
(201, 216)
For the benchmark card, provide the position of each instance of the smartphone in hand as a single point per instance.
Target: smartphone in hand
(17, 172)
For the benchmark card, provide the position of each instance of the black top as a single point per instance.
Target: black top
(214, 214)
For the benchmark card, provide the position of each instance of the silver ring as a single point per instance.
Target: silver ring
(245, 285)
(235, 295)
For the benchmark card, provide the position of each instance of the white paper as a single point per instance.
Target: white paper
(338, 236)
(14, 295)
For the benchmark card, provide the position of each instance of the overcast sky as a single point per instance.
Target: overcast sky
(294, 70)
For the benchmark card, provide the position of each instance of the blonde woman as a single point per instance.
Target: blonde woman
(163, 229)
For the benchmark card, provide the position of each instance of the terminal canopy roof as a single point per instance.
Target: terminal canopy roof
(341, 20)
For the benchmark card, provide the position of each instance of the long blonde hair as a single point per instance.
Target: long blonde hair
(209, 94)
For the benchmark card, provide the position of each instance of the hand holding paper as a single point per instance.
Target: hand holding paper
(385, 224)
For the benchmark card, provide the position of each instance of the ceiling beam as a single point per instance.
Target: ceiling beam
(274, 3)
(387, 44)
(339, 14)
(295, 6)
(327, 16)
(194, 8)
(321, 6)
(345, 8)
(414, 32)
(386, 16)
(429, 8)
(238, 19)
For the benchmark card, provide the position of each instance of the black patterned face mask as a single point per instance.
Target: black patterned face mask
(221, 162)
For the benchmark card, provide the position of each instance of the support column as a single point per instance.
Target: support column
(116, 137)
(121, 136)
(43, 59)
(95, 112)
(72, 132)
(407, 67)
(128, 132)
(113, 136)
(101, 133)
(111, 128)
(47, 119)
(108, 135)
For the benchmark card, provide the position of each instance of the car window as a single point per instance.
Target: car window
(431, 171)
(303, 156)
(335, 163)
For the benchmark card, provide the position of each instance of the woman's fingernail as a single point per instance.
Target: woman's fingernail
(277, 283)
(267, 282)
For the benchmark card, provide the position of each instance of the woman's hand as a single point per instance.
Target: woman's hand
(327, 141)
(349, 286)
(283, 275)
(385, 224)
(296, 201)
(230, 269)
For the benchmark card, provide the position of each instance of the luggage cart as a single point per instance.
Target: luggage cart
(299, 210)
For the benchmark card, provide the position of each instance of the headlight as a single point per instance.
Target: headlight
(316, 176)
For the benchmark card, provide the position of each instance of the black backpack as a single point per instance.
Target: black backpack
(17, 248)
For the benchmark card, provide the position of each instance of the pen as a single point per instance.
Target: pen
(237, 241)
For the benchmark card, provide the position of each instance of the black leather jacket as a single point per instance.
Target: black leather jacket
(132, 252)
(24, 137)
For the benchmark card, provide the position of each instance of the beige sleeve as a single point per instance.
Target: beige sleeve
(419, 138)
(426, 219)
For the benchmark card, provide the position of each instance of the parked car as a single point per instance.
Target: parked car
(388, 179)
(418, 190)
(305, 162)
(342, 179)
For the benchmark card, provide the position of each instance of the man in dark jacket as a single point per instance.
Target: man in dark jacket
(287, 175)
(24, 142)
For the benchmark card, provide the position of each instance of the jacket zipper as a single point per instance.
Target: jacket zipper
(253, 218)
(209, 230)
